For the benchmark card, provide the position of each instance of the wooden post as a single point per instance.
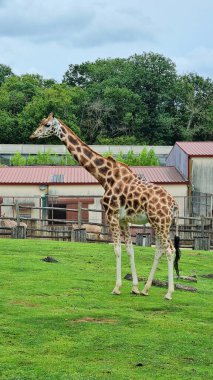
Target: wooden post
(18, 232)
(202, 225)
(202, 243)
(143, 240)
(79, 214)
(79, 235)
(17, 214)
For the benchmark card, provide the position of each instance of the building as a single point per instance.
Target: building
(66, 186)
(194, 160)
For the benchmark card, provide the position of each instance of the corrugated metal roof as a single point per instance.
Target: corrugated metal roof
(197, 148)
(78, 175)
(159, 174)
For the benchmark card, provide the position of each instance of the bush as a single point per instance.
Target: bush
(18, 160)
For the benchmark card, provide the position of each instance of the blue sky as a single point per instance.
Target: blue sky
(44, 37)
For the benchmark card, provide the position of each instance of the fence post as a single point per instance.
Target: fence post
(79, 235)
(143, 240)
(201, 242)
(202, 225)
(79, 214)
(18, 232)
(17, 214)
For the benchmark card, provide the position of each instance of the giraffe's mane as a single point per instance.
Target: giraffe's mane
(119, 163)
(82, 142)
(110, 158)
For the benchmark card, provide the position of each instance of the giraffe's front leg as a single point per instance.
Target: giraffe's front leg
(116, 236)
(117, 249)
(130, 252)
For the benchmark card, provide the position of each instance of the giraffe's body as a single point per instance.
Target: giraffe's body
(127, 199)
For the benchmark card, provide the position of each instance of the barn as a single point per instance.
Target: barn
(65, 187)
(194, 160)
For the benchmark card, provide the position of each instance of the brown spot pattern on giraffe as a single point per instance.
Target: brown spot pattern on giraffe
(103, 170)
(99, 161)
(72, 140)
(87, 153)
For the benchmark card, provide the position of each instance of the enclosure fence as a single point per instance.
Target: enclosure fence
(52, 218)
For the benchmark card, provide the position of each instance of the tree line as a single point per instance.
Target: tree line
(138, 100)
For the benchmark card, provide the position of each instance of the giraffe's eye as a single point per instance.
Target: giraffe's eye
(47, 125)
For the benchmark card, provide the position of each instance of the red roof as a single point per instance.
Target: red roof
(199, 148)
(159, 174)
(78, 175)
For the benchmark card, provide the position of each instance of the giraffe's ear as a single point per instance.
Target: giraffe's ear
(51, 114)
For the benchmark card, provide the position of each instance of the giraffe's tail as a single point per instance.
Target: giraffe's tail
(177, 241)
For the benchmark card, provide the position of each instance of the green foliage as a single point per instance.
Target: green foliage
(137, 100)
(144, 158)
(58, 326)
(43, 158)
(121, 140)
(5, 72)
(152, 159)
(8, 127)
(18, 160)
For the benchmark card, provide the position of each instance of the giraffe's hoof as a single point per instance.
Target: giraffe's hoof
(116, 292)
(144, 293)
(135, 290)
(168, 297)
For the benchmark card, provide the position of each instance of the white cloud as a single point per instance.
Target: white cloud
(49, 35)
(199, 60)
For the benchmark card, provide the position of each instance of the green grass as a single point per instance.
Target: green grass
(61, 322)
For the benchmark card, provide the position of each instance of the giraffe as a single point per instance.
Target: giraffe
(127, 199)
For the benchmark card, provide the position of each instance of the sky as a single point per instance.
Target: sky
(46, 36)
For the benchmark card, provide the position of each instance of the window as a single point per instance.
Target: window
(57, 216)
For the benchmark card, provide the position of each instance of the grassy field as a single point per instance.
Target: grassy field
(59, 321)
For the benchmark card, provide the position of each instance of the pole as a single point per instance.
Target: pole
(79, 214)
(17, 213)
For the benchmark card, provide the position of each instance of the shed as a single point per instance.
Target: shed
(194, 160)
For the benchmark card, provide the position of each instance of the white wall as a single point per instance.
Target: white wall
(202, 174)
(32, 193)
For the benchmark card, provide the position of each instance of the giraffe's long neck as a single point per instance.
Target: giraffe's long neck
(93, 162)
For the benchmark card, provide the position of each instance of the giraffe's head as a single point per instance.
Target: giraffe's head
(47, 127)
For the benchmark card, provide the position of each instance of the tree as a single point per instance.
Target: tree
(5, 72)
(64, 101)
(90, 73)
(194, 105)
(138, 94)
(7, 128)
(17, 91)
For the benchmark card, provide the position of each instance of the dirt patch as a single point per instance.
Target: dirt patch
(95, 320)
(24, 303)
